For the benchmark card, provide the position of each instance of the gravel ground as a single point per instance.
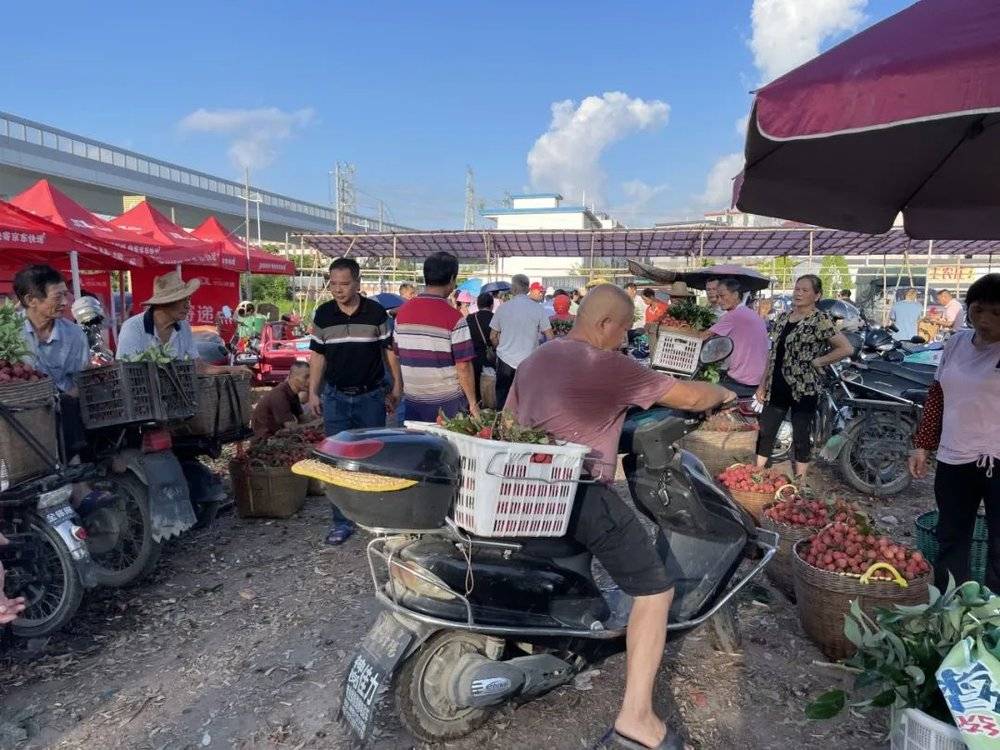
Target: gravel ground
(241, 638)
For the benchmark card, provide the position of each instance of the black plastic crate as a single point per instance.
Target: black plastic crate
(127, 392)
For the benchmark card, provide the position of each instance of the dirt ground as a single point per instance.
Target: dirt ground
(242, 636)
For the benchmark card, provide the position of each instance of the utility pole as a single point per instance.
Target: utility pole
(246, 195)
(381, 217)
(470, 199)
(344, 192)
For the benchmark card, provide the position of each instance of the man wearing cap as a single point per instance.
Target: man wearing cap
(516, 329)
(165, 323)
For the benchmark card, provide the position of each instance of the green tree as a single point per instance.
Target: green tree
(835, 274)
(269, 288)
(781, 269)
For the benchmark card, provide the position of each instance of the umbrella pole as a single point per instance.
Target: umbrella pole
(958, 274)
(885, 290)
(927, 274)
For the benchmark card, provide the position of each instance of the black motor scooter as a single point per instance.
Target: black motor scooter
(470, 623)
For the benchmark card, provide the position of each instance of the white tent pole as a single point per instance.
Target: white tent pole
(178, 269)
(74, 267)
(927, 274)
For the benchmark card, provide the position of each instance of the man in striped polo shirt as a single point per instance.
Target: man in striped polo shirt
(435, 348)
(351, 348)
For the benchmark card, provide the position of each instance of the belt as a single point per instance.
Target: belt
(357, 390)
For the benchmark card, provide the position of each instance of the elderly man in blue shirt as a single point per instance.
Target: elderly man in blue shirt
(57, 347)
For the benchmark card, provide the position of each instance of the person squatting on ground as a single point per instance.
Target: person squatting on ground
(578, 388)
(351, 348)
(803, 342)
(282, 405)
(961, 421)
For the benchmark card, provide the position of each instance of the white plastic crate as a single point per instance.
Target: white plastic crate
(513, 489)
(676, 352)
(915, 730)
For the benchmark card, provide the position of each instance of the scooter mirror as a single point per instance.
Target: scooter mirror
(716, 349)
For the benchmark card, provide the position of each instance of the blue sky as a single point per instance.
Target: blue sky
(413, 92)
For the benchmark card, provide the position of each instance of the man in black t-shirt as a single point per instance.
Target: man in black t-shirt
(351, 348)
(479, 329)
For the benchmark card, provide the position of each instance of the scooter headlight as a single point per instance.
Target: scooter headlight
(53, 498)
(409, 577)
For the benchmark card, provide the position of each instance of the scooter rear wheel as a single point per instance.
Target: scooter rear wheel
(422, 690)
(873, 457)
(121, 536)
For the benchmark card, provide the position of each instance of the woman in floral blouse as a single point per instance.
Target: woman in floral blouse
(803, 342)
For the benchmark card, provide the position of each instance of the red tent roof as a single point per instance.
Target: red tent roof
(26, 237)
(179, 245)
(234, 251)
(48, 202)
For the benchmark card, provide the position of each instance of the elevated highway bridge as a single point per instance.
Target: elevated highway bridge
(100, 175)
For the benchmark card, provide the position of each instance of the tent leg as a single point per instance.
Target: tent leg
(927, 275)
(74, 267)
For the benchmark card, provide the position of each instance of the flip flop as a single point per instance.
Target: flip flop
(616, 739)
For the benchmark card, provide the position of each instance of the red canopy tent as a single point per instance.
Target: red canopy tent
(235, 252)
(26, 238)
(44, 200)
(199, 259)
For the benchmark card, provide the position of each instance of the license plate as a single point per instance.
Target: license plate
(58, 514)
(370, 674)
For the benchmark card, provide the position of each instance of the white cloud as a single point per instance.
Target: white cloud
(641, 205)
(567, 157)
(787, 33)
(719, 183)
(255, 131)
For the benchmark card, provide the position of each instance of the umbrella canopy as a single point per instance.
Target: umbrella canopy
(904, 116)
(234, 253)
(388, 300)
(495, 286)
(48, 202)
(473, 286)
(749, 279)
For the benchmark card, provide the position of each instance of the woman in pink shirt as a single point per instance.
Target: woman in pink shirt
(961, 420)
(748, 332)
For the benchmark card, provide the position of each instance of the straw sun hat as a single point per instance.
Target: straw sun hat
(169, 288)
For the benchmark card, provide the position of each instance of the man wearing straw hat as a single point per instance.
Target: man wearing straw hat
(165, 323)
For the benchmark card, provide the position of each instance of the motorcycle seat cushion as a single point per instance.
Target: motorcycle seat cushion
(554, 547)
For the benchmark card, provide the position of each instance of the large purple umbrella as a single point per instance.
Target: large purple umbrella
(904, 116)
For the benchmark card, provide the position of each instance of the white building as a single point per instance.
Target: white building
(543, 211)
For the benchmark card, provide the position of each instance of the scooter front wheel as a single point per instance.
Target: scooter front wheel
(422, 694)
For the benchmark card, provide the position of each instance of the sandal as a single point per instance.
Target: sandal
(339, 534)
(615, 739)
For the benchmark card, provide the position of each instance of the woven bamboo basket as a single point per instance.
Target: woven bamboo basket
(779, 570)
(753, 502)
(824, 599)
(33, 406)
(223, 406)
(718, 450)
(267, 492)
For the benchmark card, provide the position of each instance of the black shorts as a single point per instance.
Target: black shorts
(609, 528)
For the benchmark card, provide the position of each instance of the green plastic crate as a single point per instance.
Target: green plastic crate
(927, 542)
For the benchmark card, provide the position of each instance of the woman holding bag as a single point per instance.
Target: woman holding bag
(479, 328)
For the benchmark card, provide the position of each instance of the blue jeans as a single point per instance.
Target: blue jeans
(342, 412)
